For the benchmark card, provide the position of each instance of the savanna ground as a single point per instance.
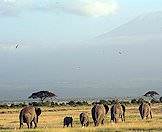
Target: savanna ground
(51, 120)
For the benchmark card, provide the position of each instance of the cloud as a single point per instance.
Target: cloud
(94, 8)
(14, 7)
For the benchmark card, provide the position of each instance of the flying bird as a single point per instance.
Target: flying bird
(17, 46)
(120, 52)
(78, 68)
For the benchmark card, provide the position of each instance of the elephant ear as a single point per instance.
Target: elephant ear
(38, 111)
(106, 108)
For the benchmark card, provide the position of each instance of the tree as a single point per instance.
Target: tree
(42, 95)
(151, 94)
(160, 99)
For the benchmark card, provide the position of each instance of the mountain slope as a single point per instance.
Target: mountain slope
(149, 24)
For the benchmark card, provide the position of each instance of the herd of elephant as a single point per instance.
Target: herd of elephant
(29, 114)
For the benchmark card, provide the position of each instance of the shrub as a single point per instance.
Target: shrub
(103, 102)
(53, 104)
(134, 101)
(4, 106)
(125, 102)
(14, 105)
(35, 104)
(140, 100)
(109, 102)
(154, 101)
(71, 103)
(62, 104)
(22, 104)
(85, 103)
(47, 103)
(79, 103)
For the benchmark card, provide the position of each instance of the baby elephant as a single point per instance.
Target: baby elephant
(84, 120)
(28, 115)
(68, 121)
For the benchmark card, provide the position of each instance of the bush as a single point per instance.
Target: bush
(85, 103)
(53, 104)
(35, 104)
(134, 101)
(47, 103)
(4, 106)
(103, 102)
(71, 103)
(125, 102)
(109, 102)
(79, 103)
(140, 100)
(22, 104)
(154, 101)
(14, 106)
(62, 104)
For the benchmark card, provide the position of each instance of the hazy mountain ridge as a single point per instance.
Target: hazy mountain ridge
(148, 24)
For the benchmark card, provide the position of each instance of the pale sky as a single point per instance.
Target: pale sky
(58, 49)
(64, 21)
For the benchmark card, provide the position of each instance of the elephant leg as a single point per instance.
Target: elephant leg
(124, 117)
(31, 124)
(28, 124)
(97, 122)
(116, 120)
(94, 122)
(121, 118)
(103, 122)
(151, 114)
(21, 125)
(35, 122)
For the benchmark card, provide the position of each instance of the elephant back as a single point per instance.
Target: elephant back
(28, 110)
(117, 108)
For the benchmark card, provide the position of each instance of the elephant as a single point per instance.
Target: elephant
(84, 120)
(68, 121)
(28, 115)
(99, 112)
(145, 110)
(117, 111)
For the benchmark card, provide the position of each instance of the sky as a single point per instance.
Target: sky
(54, 52)
(65, 21)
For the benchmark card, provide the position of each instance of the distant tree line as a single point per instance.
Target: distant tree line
(77, 103)
(42, 95)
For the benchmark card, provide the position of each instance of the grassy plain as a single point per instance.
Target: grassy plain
(51, 120)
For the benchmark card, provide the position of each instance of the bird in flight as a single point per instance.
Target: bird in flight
(120, 52)
(17, 46)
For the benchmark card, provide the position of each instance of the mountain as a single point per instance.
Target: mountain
(149, 25)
